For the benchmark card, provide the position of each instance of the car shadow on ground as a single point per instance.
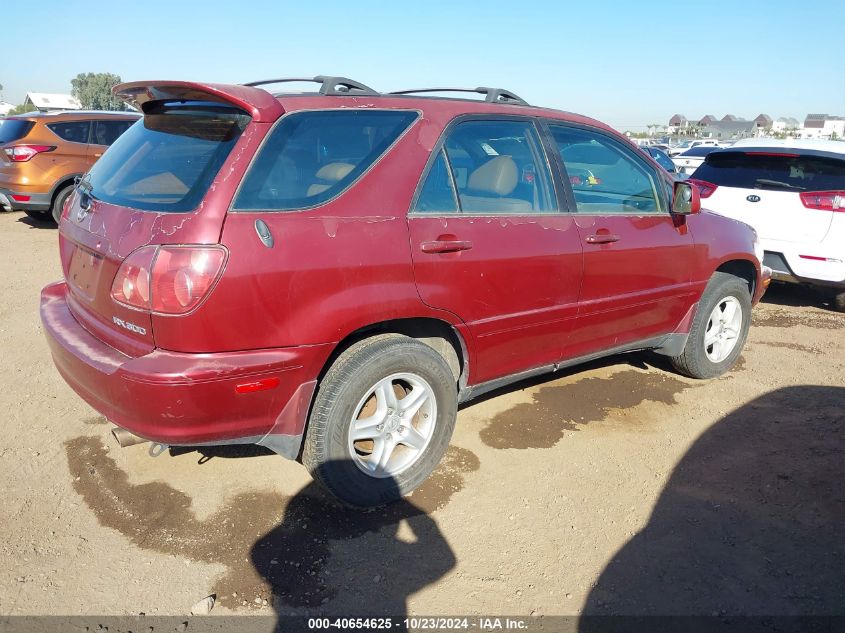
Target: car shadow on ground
(750, 522)
(798, 296)
(640, 360)
(36, 224)
(226, 451)
(309, 562)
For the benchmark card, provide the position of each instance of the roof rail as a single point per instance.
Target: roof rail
(328, 85)
(491, 95)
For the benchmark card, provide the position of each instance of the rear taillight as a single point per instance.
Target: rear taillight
(824, 200)
(168, 279)
(705, 189)
(22, 153)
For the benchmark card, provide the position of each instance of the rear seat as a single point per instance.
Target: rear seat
(331, 173)
(489, 185)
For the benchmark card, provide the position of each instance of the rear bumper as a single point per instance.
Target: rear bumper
(186, 399)
(821, 265)
(36, 202)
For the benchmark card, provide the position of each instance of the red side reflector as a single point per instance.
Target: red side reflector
(20, 198)
(257, 385)
(815, 258)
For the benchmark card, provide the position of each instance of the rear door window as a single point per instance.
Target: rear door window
(168, 161)
(72, 131)
(606, 177)
(107, 132)
(311, 157)
(14, 129)
(437, 194)
(773, 170)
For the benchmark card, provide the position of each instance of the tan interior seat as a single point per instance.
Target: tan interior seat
(489, 185)
(330, 174)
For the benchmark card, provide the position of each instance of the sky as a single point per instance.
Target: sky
(628, 63)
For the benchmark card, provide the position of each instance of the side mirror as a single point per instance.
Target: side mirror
(686, 200)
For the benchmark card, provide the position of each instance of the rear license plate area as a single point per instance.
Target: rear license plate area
(84, 272)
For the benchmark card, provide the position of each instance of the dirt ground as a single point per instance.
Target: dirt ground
(619, 487)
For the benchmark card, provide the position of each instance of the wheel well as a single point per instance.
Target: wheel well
(62, 184)
(438, 335)
(743, 269)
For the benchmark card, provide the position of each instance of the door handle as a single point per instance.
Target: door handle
(602, 238)
(445, 246)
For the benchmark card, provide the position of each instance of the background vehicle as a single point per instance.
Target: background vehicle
(793, 194)
(237, 269)
(685, 146)
(689, 161)
(41, 154)
(661, 157)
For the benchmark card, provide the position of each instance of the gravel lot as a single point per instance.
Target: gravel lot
(619, 487)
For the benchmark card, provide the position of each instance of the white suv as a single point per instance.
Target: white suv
(688, 145)
(793, 194)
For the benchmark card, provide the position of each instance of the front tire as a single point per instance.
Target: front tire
(719, 329)
(381, 421)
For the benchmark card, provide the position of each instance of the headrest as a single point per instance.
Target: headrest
(334, 171)
(498, 175)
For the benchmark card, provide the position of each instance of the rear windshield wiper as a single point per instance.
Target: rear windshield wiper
(778, 183)
(83, 183)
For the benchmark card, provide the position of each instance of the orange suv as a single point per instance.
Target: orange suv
(43, 152)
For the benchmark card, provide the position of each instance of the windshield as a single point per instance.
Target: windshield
(167, 160)
(662, 159)
(771, 170)
(14, 129)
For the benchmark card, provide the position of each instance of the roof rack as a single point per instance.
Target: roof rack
(328, 85)
(491, 95)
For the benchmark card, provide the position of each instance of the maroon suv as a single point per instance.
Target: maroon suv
(330, 274)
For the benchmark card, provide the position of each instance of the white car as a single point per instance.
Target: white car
(688, 145)
(793, 194)
(691, 159)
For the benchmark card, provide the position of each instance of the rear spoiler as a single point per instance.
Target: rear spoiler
(258, 103)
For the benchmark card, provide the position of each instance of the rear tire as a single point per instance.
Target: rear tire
(381, 421)
(59, 203)
(719, 329)
(839, 301)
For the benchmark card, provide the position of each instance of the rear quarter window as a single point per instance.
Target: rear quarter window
(311, 157)
(770, 170)
(73, 131)
(14, 129)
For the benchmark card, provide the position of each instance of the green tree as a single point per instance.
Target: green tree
(94, 91)
(21, 109)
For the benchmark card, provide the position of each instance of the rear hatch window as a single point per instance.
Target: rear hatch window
(14, 129)
(773, 171)
(167, 161)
